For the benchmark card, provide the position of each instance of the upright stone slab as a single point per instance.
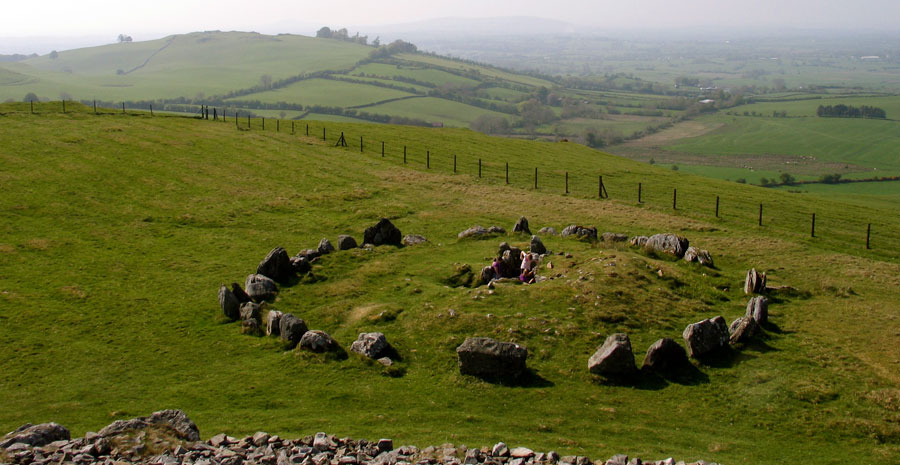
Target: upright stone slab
(229, 303)
(317, 341)
(325, 247)
(382, 233)
(758, 309)
(665, 356)
(486, 357)
(537, 246)
(273, 323)
(706, 336)
(743, 329)
(260, 287)
(521, 226)
(291, 329)
(276, 265)
(614, 357)
(755, 282)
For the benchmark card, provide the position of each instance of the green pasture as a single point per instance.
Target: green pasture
(890, 104)
(327, 92)
(484, 70)
(419, 73)
(434, 110)
(125, 271)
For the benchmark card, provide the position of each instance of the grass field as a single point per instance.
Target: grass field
(327, 92)
(434, 76)
(435, 110)
(108, 308)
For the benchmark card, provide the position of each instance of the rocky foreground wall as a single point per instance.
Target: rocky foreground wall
(169, 437)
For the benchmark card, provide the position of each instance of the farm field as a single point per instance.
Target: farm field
(437, 110)
(326, 92)
(127, 271)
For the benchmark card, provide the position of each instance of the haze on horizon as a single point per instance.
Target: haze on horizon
(24, 23)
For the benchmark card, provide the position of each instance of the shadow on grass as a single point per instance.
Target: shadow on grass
(724, 358)
(649, 380)
(528, 379)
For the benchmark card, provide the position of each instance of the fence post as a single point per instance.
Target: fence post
(428, 159)
(454, 162)
(404, 154)
(277, 122)
(263, 123)
(236, 120)
(151, 111)
(717, 206)
(123, 107)
(292, 127)
(64, 106)
(307, 129)
(323, 135)
(95, 107)
(868, 234)
(507, 172)
(360, 144)
(639, 192)
(479, 167)
(382, 149)
(535, 177)
(760, 214)
(567, 182)
(812, 232)
(32, 107)
(674, 199)
(248, 122)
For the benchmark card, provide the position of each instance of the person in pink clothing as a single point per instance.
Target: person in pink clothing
(528, 266)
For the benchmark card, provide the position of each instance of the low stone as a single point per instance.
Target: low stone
(665, 356)
(614, 357)
(487, 274)
(250, 311)
(382, 233)
(496, 230)
(36, 435)
(613, 237)
(693, 254)
(521, 226)
(251, 327)
(174, 419)
(370, 344)
(325, 247)
(758, 309)
(346, 242)
(706, 336)
(323, 442)
(755, 282)
(743, 329)
(276, 265)
(260, 287)
(617, 459)
(582, 232)
(413, 239)
(547, 230)
(482, 356)
(385, 361)
(273, 322)
(537, 246)
(260, 438)
(385, 445)
(301, 264)
(474, 231)
(500, 450)
(638, 241)
(229, 303)
(291, 329)
(317, 341)
(667, 243)
(521, 453)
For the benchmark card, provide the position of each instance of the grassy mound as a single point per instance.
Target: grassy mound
(118, 229)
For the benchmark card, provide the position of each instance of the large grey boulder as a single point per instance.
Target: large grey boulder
(229, 303)
(743, 329)
(693, 254)
(382, 233)
(36, 435)
(291, 328)
(758, 309)
(582, 232)
(250, 311)
(413, 239)
(755, 282)
(665, 356)
(175, 420)
(273, 323)
(260, 287)
(706, 336)
(325, 247)
(317, 341)
(346, 242)
(614, 357)
(537, 246)
(370, 345)
(486, 357)
(474, 231)
(671, 244)
(521, 226)
(276, 265)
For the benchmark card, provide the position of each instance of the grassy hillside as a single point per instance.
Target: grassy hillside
(118, 229)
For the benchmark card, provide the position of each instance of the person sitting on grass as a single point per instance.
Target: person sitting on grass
(528, 266)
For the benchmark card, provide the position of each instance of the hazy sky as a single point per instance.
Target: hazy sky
(156, 17)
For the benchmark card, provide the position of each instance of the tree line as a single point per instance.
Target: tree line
(845, 111)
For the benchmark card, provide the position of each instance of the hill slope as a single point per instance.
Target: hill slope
(118, 229)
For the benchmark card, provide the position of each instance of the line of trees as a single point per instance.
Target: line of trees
(845, 111)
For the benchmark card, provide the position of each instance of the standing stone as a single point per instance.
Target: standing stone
(36, 435)
(614, 357)
(260, 288)
(521, 226)
(273, 323)
(665, 356)
(250, 311)
(276, 265)
(706, 336)
(758, 309)
(229, 303)
(239, 293)
(537, 246)
(693, 254)
(500, 450)
(743, 329)
(383, 233)
(325, 247)
(346, 242)
(291, 329)
(317, 341)
(754, 283)
(414, 239)
(582, 232)
(483, 356)
(668, 243)
(370, 344)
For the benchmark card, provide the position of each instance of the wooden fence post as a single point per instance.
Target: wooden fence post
(323, 135)
(95, 107)
(292, 127)
(479, 167)
(32, 107)
(263, 123)
(428, 159)
(404, 154)
(277, 122)
(248, 122)
(639, 192)
(535, 177)
(812, 231)
(307, 129)
(760, 214)
(151, 111)
(507, 172)
(868, 235)
(237, 121)
(64, 105)
(454, 162)
(717, 206)
(382, 149)
(123, 107)
(360, 144)
(567, 182)
(674, 199)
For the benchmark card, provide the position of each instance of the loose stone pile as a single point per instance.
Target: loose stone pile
(169, 437)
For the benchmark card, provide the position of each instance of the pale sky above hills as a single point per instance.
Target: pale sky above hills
(152, 19)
